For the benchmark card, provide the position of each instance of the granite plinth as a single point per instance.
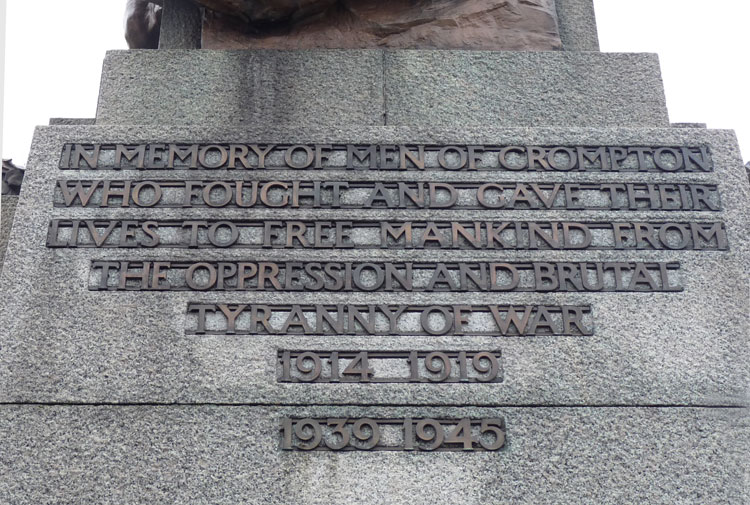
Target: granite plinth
(375, 87)
(241, 87)
(8, 209)
(577, 24)
(689, 125)
(71, 121)
(523, 89)
(65, 343)
(227, 455)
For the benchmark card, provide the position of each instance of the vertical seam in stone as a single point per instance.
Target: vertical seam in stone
(385, 92)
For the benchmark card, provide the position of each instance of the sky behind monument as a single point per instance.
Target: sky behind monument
(53, 62)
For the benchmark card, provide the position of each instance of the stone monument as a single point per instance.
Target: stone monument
(12, 177)
(383, 274)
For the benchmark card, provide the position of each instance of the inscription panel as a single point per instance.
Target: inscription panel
(375, 276)
(594, 238)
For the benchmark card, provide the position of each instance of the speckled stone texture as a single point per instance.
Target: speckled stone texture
(64, 343)
(241, 87)
(71, 121)
(229, 455)
(523, 89)
(577, 23)
(7, 209)
(106, 399)
(374, 87)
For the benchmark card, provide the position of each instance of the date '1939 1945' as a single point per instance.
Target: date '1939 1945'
(407, 434)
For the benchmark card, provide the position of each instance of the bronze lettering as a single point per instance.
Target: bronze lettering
(459, 152)
(375, 194)
(137, 152)
(380, 367)
(81, 153)
(406, 156)
(204, 152)
(565, 163)
(370, 153)
(213, 234)
(291, 161)
(190, 276)
(481, 198)
(452, 157)
(225, 194)
(239, 152)
(189, 153)
(155, 156)
(365, 434)
(593, 156)
(616, 156)
(261, 153)
(80, 192)
(518, 235)
(155, 189)
(123, 193)
(708, 232)
(396, 277)
(142, 276)
(384, 320)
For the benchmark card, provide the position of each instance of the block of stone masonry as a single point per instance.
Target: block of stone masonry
(616, 282)
(373, 87)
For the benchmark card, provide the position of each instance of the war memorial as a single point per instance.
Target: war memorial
(347, 251)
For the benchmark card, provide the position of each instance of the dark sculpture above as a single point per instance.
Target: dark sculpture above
(12, 178)
(142, 23)
(263, 11)
(418, 24)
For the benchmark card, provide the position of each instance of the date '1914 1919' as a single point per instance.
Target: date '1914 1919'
(432, 367)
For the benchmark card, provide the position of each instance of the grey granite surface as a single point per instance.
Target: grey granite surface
(7, 210)
(524, 89)
(577, 24)
(373, 87)
(71, 121)
(242, 87)
(64, 343)
(229, 455)
(688, 125)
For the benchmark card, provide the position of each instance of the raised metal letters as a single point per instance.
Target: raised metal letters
(392, 195)
(382, 320)
(478, 235)
(409, 434)
(378, 367)
(537, 276)
(385, 157)
(241, 188)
